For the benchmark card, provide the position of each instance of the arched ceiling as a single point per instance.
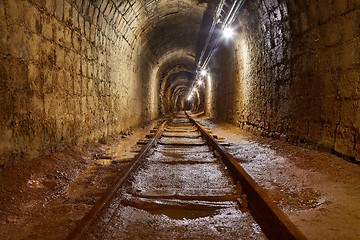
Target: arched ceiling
(171, 26)
(170, 35)
(168, 40)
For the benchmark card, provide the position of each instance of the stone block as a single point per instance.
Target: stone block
(59, 130)
(61, 83)
(304, 23)
(50, 6)
(78, 4)
(77, 85)
(87, 30)
(353, 4)
(15, 11)
(68, 62)
(49, 77)
(93, 32)
(57, 108)
(340, 7)
(18, 75)
(325, 10)
(344, 143)
(328, 81)
(90, 13)
(328, 134)
(68, 38)
(349, 109)
(60, 57)
(36, 105)
(95, 16)
(59, 9)
(34, 78)
(68, 83)
(59, 32)
(348, 85)
(5, 67)
(2, 11)
(84, 86)
(91, 70)
(47, 53)
(84, 68)
(124, 7)
(312, 14)
(350, 55)
(17, 40)
(77, 64)
(33, 19)
(75, 19)
(68, 13)
(329, 34)
(47, 28)
(108, 9)
(21, 104)
(114, 13)
(349, 26)
(330, 109)
(81, 24)
(315, 108)
(103, 5)
(137, 6)
(4, 44)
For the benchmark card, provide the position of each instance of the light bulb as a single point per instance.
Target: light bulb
(203, 72)
(228, 33)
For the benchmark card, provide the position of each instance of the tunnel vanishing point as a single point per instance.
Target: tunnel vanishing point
(73, 71)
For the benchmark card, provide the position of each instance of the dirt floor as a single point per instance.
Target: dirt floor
(318, 191)
(180, 191)
(43, 198)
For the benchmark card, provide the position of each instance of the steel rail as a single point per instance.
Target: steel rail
(84, 225)
(272, 220)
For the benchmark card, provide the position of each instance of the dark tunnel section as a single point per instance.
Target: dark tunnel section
(175, 89)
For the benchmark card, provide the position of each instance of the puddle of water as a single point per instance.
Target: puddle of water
(180, 213)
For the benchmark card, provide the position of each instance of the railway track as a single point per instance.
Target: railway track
(183, 184)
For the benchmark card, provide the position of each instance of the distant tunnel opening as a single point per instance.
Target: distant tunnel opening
(174, 93)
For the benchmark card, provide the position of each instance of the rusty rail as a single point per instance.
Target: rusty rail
(84, 225)
(273, 221)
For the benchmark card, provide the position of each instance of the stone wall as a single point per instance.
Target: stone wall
(67, 74)
(293, 73)
(77, 70)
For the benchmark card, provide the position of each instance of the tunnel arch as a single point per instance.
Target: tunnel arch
(88, 69)
(171, 42)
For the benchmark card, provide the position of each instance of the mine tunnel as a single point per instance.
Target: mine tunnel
(78, 72)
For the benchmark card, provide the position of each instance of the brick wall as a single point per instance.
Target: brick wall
(293, 73)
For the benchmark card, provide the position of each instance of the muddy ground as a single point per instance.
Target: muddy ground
(318, 191)
(45, 197)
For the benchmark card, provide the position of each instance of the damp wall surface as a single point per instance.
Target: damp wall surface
(67, 74)
(73, 71)
(292, 73)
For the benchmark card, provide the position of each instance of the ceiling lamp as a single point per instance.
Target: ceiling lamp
(228, 33)
(203, 72)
